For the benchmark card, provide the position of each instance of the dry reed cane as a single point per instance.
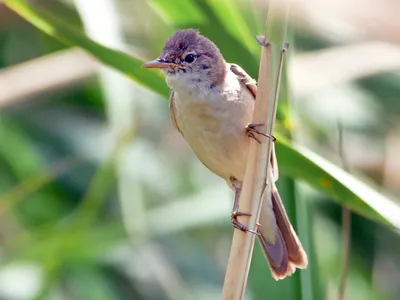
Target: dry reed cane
(258, 162)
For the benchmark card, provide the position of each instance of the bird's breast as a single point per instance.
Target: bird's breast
(214, 128)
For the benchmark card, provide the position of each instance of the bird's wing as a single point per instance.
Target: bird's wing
(251, 84)
(245, 78)
(172, 109)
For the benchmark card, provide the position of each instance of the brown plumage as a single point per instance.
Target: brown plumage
(211, 102)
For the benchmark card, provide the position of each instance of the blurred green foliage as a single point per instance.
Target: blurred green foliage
(59, 189)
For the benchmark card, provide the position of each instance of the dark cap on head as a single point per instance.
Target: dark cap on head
(188, 52)
(188, 40)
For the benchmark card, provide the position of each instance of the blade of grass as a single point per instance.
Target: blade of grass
(21, 157)
(68, 242)
(124, 63)
(346, 225)
(72, 65)
(34, 183)
(103, 180)
(338, 184)
(171, 12)
(228, 10)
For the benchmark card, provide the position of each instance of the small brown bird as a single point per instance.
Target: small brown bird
(211, 105)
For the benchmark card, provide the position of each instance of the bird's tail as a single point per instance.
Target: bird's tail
(278, 239)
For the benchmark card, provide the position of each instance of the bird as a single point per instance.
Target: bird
(211, 104)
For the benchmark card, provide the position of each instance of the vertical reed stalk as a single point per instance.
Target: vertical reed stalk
(346, 224)
(258, 162)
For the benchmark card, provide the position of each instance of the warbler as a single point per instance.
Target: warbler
(211, 105)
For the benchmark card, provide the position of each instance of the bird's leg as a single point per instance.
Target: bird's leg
(251, 130)
(235, 210)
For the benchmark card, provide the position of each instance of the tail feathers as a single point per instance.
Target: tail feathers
(295, 251)
(278, 239)
(277, 256)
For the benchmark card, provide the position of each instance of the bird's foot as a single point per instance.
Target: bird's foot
(251, 130)
(238, 225)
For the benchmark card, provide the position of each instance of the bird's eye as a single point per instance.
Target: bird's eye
(190, 58)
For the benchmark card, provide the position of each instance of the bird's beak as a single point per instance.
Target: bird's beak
(158, 64)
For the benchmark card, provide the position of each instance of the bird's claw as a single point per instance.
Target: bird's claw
(238, 225)
(251, 129)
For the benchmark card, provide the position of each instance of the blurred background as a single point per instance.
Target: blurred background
(100, 198)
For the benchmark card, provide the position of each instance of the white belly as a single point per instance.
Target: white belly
(215, 130)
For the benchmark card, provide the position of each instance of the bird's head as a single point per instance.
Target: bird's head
(189, 58)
